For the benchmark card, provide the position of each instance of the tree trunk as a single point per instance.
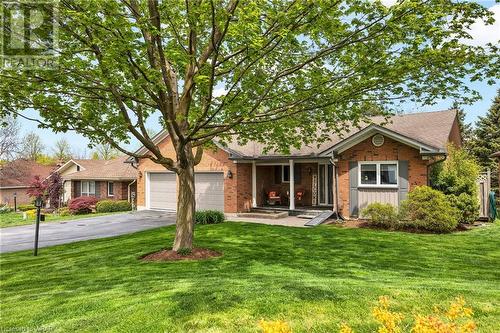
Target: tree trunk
(186, 207)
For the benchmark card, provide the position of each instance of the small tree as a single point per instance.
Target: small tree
(38, 188)
(62, 150)
(32, 146)
(456, 177)
(54, 189)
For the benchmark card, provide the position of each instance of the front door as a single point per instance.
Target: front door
(325, 184)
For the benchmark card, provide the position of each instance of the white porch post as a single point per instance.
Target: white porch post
(292, 186)
(254, 184)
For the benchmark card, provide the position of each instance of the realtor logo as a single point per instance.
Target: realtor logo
(29, 31)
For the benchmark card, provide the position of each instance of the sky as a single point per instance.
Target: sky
(481, 33)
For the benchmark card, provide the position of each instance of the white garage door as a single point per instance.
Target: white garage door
(162, 191)
(209, 191)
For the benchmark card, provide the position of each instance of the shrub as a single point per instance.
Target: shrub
(31, 214)
(64, 211)
(5, 209)
(209, 217)
(82, 205)
(467, 205)
(381, 214)
(26, 207)
(106, 206)
(429, 209)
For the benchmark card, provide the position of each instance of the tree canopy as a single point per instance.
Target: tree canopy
(284, 73)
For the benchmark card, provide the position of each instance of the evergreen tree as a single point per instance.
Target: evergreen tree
(487, 139)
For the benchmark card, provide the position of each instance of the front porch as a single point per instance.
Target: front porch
(296, 186)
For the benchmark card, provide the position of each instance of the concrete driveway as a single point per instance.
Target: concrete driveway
(21, 238)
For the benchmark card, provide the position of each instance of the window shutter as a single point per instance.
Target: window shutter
(78, 189)
(297, 172)
(403, 180)
(353, 189)
(277, 174)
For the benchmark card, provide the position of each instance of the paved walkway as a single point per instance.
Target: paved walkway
(21, 238)
(290, 221)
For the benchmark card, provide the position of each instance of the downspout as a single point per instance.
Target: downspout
(336, 189)
(432, 164)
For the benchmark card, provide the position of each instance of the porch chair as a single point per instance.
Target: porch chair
(273, 198)
(299, 196)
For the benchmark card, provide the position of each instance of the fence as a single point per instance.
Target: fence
(484, 185)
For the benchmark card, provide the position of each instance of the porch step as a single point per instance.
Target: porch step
(264, 214)
(319, 219)
(306, 216)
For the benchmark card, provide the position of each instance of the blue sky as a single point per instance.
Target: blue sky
(481, 33)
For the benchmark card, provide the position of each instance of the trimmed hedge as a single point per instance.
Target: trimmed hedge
(26, 207)
(209, 217)
(107, 206)
(82, 205)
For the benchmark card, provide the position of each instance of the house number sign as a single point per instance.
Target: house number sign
(314, 189)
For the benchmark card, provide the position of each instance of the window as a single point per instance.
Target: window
(88, 188)
(77, 168)
(111, 189)
(378, 174)
(285, 173)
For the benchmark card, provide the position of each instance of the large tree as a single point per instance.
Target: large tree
(486, 139)
(32, 147)
(9, 138)
(62, 150)
(285, 72)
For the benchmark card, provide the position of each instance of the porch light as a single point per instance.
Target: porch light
(229, 174)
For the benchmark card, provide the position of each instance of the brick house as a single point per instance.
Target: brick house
(380, 161)
(104, 179)
(16, 177)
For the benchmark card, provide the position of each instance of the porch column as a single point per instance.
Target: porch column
(254, 184)
(292, 186)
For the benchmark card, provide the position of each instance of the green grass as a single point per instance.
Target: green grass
(314, 279)
(14, 219)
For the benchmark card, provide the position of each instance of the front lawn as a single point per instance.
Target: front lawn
(14, 219)
(314, 279)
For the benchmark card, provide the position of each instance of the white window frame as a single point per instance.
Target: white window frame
(87, 192)
(378, 164)
(111, 194)
(283, 173)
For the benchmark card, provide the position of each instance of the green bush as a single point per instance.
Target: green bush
(209, 217)
(381, 214)
(26, 207)
(429, 209)
(108, 206)
(64, 211)
(467, 206)
(5, 209)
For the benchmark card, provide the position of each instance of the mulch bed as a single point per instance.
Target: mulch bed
(171, 255)
(365, 224)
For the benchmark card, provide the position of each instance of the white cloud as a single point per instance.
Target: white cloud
(482, 33)
(219, 91)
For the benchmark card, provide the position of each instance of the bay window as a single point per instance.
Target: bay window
(378, 174)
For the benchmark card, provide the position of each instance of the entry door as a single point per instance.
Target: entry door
(325, 181)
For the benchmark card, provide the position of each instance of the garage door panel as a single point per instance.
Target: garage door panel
(162, 189)
(209, 191)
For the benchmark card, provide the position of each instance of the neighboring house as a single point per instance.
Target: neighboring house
(16, 177)
(103, 179)
(377, 163)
